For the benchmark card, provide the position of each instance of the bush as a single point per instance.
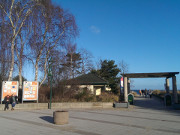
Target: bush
(134, 93)
(85, 95)
(72, 94)
(160, 94)
(107, 97)
(156, 92)
(44, 94)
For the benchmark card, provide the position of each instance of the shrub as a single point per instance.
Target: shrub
(107, 97)
(134, 93)
(63, 94)
(156, 92)
(85, 95)
(44, 94)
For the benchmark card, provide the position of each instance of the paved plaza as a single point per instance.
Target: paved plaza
(147, 117)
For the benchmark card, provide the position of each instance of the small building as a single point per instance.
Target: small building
(90, 81)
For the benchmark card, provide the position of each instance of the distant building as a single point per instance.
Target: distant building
(90, 81)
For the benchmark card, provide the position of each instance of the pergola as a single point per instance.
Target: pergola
(166, 75)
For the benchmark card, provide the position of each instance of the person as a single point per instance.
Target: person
(150, 94)
(6, 101)
(140, 92)
(14, 100)
(145, 92)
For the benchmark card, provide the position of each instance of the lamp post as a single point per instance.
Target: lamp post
(50, 75)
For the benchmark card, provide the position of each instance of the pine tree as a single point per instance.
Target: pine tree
(109, 71)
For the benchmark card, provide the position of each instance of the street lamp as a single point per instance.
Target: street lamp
(50, 75)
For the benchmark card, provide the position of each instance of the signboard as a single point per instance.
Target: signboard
(30, 91)
(9, 88)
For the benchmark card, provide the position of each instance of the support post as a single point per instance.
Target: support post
(125, 90)
(129, 86)
(175, 96)
(167, 85)
(104, 88)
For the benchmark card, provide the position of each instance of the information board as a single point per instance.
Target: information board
(30, 91)
(9, 88)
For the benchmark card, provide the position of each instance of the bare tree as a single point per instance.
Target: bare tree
(123, 66)
(86, 58)
(57, 25)
(72, 60)
(4, 46)
(16, 11)
(35, 25)
(19, 49)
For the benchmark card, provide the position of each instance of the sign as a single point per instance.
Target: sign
(30, 91)
(9, 88)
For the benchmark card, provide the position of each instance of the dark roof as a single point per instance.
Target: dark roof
(150, 75)
(88, 79)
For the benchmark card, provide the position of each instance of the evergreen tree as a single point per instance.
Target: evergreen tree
(16, 78)
(109, 71)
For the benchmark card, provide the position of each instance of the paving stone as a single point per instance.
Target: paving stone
(147, 117)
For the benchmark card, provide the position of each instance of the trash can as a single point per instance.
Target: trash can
(131, 99)
(61, 117)
(168, 100)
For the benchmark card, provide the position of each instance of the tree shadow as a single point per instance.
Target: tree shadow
(154, 104)
(48, 119)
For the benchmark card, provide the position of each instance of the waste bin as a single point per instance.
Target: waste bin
(168, 100)
(61, 117)
(131, 99)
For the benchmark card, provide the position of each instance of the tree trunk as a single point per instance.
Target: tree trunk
(71, 68)
(36, 69)
(12, 61)
(20, 74)
(45, 69)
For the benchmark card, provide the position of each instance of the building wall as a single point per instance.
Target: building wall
(95, 89)
(108, 88)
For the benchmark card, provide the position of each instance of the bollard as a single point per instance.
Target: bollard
(61, 117)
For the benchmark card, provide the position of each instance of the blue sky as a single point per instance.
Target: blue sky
(143, 33)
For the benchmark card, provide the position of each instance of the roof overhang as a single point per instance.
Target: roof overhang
(150, 75)
(91, 83)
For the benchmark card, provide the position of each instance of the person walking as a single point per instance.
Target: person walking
(14, 100)
(150, 93)
(6, 101)
(140, 92)
(145, 92)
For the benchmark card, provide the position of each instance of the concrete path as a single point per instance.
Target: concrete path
(149, 103)
(147, 117)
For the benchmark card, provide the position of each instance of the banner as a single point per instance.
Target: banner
(121, 82)
(9, 88)
(121, 85)
(30, 91)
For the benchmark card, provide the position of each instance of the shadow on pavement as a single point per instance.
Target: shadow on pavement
(153, 103)
(48, 119)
